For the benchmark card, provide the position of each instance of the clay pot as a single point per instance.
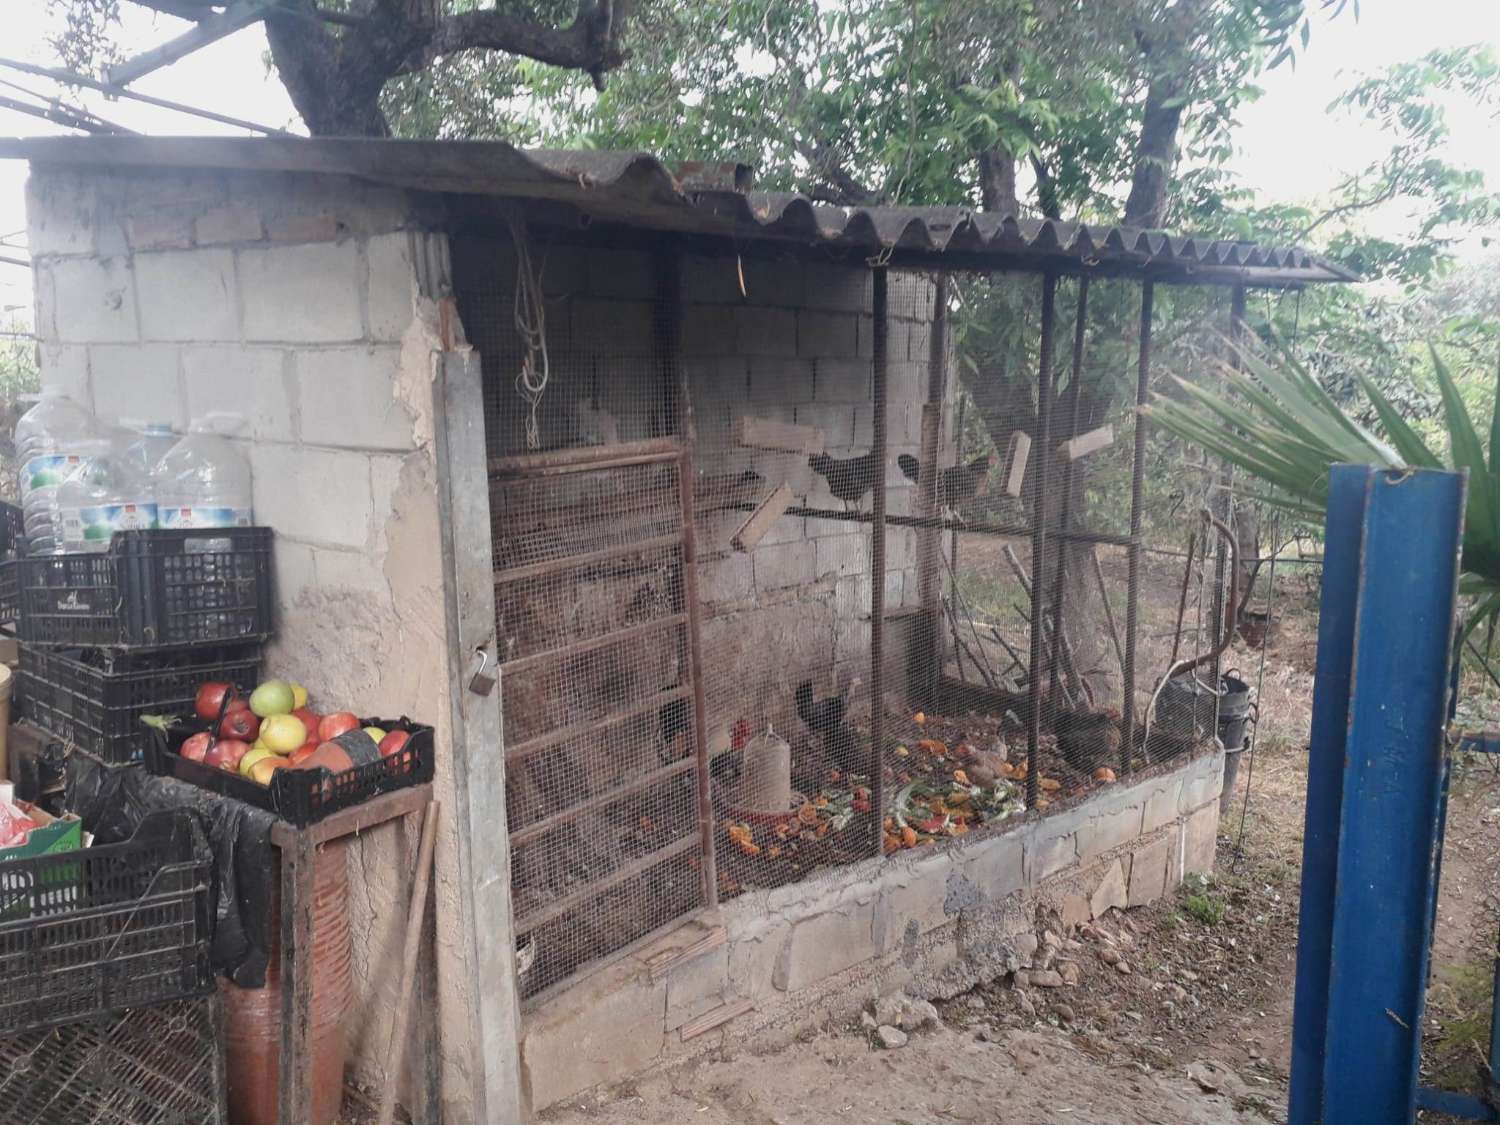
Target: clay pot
(252, 1024)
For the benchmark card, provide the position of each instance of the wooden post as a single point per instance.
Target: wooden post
(296, 977)
(927, 652)
(1133, 550)
(1043, 443)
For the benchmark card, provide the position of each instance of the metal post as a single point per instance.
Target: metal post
(1065, 515)
(1375, 776)
(1133, 550)
(1221, 504)
(1042, 460)
(877, 559)
(927, 658)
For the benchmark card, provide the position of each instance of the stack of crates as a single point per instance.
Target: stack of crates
(109, 1011)
(107, 638)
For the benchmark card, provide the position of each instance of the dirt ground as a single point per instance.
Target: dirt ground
(1196, 1025)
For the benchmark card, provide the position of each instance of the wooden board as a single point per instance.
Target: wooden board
(1084, 444)
(782, 437)
(1015, 462)
(754, 529)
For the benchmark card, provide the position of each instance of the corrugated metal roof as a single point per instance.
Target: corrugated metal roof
(637, 189)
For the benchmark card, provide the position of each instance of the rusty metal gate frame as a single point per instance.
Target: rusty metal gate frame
(596, 459)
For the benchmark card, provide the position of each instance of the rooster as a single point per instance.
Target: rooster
(825, 718)
(848, 479)
(955, 484)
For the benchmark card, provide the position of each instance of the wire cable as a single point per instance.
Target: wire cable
(531, 326)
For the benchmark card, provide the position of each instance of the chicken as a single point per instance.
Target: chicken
(1088, 739)
(825, 718)
(956, 483)
(848, 479)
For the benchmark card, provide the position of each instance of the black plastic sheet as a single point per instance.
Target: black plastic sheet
(113, 800)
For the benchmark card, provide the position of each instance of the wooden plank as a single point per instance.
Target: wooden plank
(754, 529)
(347, 822)
(716, 1018)
(294, 1094)
(1016, 457)
(594, 644)
(781, 437)
(658, 965)
(585, 558)
(1084, 444)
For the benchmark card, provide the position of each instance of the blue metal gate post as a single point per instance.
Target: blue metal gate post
(1372, 907)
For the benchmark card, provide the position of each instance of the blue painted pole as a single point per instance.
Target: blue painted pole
(1343, 537)
(1392, 779)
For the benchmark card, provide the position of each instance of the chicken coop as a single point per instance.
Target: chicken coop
(787, 584)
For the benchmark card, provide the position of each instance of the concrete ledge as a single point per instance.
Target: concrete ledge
(935, 922)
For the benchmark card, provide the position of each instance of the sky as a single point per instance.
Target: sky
(1289, 149)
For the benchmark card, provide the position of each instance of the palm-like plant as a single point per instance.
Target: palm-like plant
(1286, 431)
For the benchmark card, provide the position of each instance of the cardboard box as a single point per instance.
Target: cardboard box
(51, 834)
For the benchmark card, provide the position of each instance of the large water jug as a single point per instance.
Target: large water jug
(203, 480)
(49, 438)
(103, 495)
(144, 444)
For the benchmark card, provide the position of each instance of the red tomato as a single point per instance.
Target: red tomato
(336, 724)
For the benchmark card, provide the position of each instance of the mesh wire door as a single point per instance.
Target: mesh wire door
(606, 784)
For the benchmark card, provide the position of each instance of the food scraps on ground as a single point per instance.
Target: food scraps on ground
(928, 809)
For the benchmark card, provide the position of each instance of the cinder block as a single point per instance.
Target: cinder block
(93, 300)
(619, 328)
(837, 423)
(842, 288)
(1148, 870)
(842, 381)
(301, 294)
(763, 331)
(1108, 830)
(347, 398)
(233, 222)
(391, 285)
(697, 986)
(251, 381)
(65, 368)
(755, 944)
(624, 275)
(302, 225)
(783, 381)
(598, 1032)
(137, 381)
(1161, 802)
(997, 866)
(160, 230)
(710, 280)
(772, 281)
(827, 334)
(1202, 783)
(826, 944)
(60, 209)
(295, 570)
(784, 564)
(282, 476)
(187, 295)
(1111, 891)
(708, 330)
(841, 556)
(1051, 848)
(1199, 839)
(913, 893)
(728, 579)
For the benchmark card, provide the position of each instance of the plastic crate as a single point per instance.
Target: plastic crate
(301, 796)
(12, 530)
(94, 700)
(106, 928)
(152, 589)
(161, 1065)
(10, 596)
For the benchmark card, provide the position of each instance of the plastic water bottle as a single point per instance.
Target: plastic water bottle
(49, 440)
(103, 495)
(203, 480)
(143, 444)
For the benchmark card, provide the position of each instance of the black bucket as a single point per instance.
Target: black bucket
(1185, 709)
(1234, 711)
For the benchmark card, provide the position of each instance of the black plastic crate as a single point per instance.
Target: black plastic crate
(161, 1065)
(152, 589)
(301, 796)
(10, 596)
(12, 530)
(94, 699)
(102, 929)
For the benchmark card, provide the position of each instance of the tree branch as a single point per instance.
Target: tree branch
(591, 42)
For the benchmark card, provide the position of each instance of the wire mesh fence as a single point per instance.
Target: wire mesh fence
(770, 590)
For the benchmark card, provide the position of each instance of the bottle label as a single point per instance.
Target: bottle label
(188, 519)
(85, 528)
(47, 472)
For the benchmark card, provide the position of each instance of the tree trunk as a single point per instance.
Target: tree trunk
(997, 182)
(1155, 153)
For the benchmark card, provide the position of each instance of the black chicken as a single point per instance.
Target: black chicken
(825, 718)
(848, 479)
(956, 483)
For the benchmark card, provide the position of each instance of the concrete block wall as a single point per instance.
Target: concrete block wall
(292, 301)
(934, 922)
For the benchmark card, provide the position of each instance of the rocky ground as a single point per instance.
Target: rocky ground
(1172, 1014)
